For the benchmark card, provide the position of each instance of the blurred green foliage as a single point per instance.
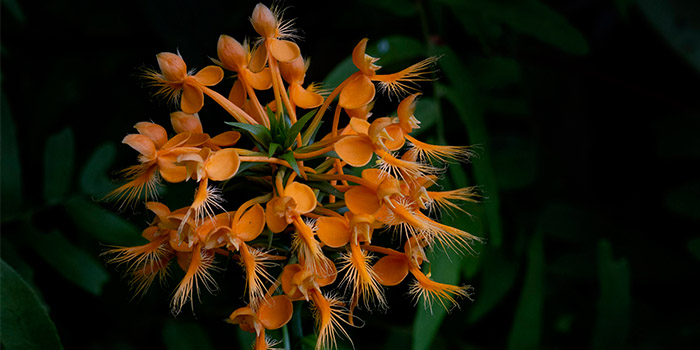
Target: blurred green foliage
(584, 117)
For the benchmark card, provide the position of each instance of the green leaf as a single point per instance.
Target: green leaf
(496, 72)
(259, 132)
(71, 262)
(296, 129)
(178, 335)
(94, 179)
(426, 322)
(527, 324)
(529, 17)
(59, 157)
(498, 276)
(245, 339)
(462, 95)
(273, 147)
(676, 22)
(289, 157)
(106, 227)
(10, 165)
(515, 162)
(25, 322)
(612, 321)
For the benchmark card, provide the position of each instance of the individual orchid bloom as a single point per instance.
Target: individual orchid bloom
(157, 156)
(407, 122)
(183, 122)
(236, 57)
(293, 72)
(393, 268)
(208, 165)
(198, 265)
(293, 201)
(388, 202)
(175, 81)
(299, 283)
(273, 313)
(359, 277)
(274, 33)
(359, 89)
(368, 139)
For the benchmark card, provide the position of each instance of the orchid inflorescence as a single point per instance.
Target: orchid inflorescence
(318, 218)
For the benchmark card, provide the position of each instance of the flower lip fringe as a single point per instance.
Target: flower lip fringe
(316, 230)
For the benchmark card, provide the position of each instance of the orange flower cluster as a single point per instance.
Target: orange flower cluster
(327, 216)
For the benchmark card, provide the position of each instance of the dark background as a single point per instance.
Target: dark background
(588, 115)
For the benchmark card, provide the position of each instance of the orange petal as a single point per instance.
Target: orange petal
(275, 213)
(358, 54)
(303, 195)
(355, 150)
(196, 140)
(251, 223)
(391, 270)
(289, 288)
(172, 67)
(225, 139)
(160, 209)
(396, 133)
(362, 200)
(177, 140)
(245, 318)
(154, 131)
(258, 59)
(360, 126)
(222, 164)
(275, 312)
(141, 143)
(231, 53)
(304, 98)
(405, 112)
(183, 122)
(332, 231)
(237, 94)
(210, 75)
(359, 92)
(284, 50)
(192, 98)
(374, 176)
(169, 171)
(259, 81)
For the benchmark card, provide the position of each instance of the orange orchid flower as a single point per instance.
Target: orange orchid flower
(393, 268)
(236, 57)
(300, 283)
(175, 81)
(293, 72)
(360, 89)
(158, 156)
(183, 122)
(273, 313)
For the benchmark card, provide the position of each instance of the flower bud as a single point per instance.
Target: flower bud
(264, 21)
(231, 53)
(172, 66)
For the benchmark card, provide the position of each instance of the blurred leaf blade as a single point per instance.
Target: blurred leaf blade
(26, 324)
(71, 262)
(527, 323)
(498, 277)
(94, 180)
(179, 335)
(59, 158)
(529, 17)
(462, 96)
(105, 226)
(10, 165)
(612, 321)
